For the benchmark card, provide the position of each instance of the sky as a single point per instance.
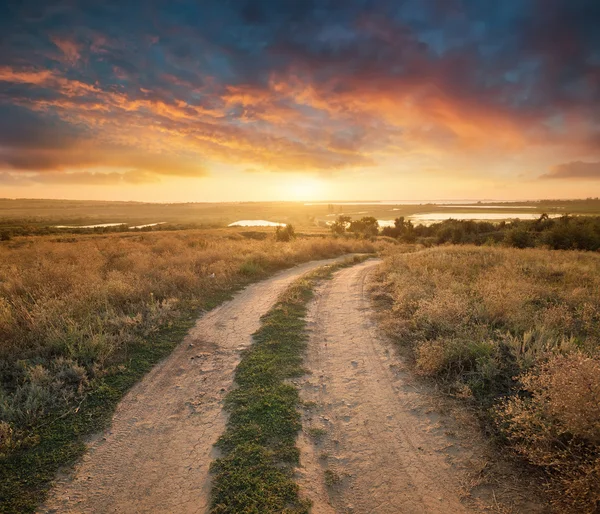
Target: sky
(233, 100)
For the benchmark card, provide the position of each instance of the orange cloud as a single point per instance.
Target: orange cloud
(31, 76)
(70, 49)
(80, 178)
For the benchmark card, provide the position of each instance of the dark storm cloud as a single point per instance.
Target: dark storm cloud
(289, 84)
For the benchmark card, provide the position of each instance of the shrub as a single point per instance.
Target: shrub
(367, 226)
(6, 438)
(564, 233)
(517, 332)
(341, 224)
(555, 424)
(285, 234)
(519, 238)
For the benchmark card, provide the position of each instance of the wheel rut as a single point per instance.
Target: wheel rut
(381, 448)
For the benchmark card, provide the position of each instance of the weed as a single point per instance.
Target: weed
(516, 333)
(331, 478)
(317, 433)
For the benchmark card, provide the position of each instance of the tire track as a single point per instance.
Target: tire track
(383, 449)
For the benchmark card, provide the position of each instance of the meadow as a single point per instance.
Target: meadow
(82, 318)
(516, 335)
(85, 313)
(21, 217)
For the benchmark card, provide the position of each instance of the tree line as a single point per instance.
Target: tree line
(563, 233)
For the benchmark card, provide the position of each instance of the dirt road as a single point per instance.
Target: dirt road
(372, 442)
(156, 455)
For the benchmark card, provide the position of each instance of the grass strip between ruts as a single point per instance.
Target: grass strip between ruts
(255, 473)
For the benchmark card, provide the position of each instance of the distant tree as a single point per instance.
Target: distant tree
(341, 224)
(405, 229)
(368, 226)
(519, 238)
(543, 223)
(285, 234)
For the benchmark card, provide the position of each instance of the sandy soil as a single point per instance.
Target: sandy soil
(374, 429)
(156, 455)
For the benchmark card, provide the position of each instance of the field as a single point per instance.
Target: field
(82, 317)
(27, 217)
(85, 314)
(516, 334)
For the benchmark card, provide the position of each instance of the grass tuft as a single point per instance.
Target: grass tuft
(331, 478)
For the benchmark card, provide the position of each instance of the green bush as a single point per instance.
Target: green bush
(285, 234)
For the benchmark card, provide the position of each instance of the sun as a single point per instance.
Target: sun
(303, 189)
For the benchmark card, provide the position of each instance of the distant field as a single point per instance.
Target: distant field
(39, 214)
(85, 313)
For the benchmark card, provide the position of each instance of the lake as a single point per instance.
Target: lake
(476, 216)
(255, 223)
(91, 226)
(110, 225)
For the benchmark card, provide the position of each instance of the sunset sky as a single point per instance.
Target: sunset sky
(300, 100)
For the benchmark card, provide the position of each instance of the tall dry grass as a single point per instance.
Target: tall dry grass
(71, 308)
(517, 333)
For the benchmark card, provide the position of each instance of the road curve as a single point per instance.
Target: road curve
(155, 457)
(382, 447)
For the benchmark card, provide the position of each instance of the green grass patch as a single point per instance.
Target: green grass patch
(255, 474)
(58, 440)
(331, 478)
(317, 433)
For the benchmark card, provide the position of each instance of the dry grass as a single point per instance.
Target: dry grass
(516, 333)
(70, 309)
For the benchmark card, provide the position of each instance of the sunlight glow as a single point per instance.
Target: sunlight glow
(302, 189)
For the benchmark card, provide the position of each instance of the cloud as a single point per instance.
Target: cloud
(79, 178)
(575, 170)
(169, 89)
(36, 142)
(69, 48)
(88, 154)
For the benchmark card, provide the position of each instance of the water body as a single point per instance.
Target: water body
(476, 216)
(255, 223)
(110, 225)
(437, 217)
(91, 226)
(150, 225)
